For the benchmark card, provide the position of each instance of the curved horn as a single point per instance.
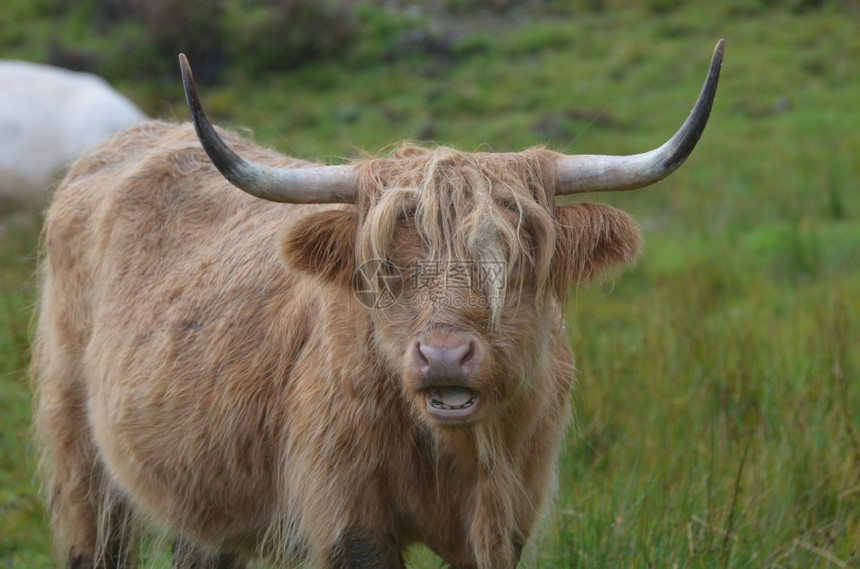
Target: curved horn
(590, 173)
(316, 184)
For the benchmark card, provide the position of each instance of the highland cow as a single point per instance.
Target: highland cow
(380, 360)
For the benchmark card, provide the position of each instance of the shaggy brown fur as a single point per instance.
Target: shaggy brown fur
(202, 362)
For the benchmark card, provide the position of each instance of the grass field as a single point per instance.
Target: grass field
(718, 406)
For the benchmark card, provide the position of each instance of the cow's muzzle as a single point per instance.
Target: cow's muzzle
(445, 365)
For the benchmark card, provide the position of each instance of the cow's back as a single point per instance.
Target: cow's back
(147, 207)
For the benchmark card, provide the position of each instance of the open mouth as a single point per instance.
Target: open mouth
(454, 404)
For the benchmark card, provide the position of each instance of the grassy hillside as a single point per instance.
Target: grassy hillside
(718, 408)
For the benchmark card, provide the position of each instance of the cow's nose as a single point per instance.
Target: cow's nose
(439, 361)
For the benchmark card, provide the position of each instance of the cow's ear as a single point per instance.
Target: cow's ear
(323, 244)
(591, 238)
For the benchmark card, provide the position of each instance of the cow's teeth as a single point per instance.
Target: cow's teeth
(440, 405)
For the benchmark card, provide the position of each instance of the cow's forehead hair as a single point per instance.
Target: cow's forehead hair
(473, 207)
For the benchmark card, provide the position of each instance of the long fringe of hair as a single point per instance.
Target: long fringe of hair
(475, 207)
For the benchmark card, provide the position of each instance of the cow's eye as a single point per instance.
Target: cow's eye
(509, 204)
(407, 214)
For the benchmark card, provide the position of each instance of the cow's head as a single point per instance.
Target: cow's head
(462, 260)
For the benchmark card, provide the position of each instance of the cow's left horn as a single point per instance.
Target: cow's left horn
(589, 173)
(316, 184)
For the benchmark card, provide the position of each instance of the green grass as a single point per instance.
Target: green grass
(718, 408)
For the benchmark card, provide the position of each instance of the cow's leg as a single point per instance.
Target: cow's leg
(189, 556)
(360, 549)
(96, 527)
(88, 519)
(116, 554)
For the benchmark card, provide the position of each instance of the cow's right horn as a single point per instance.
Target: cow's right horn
(316, 184)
